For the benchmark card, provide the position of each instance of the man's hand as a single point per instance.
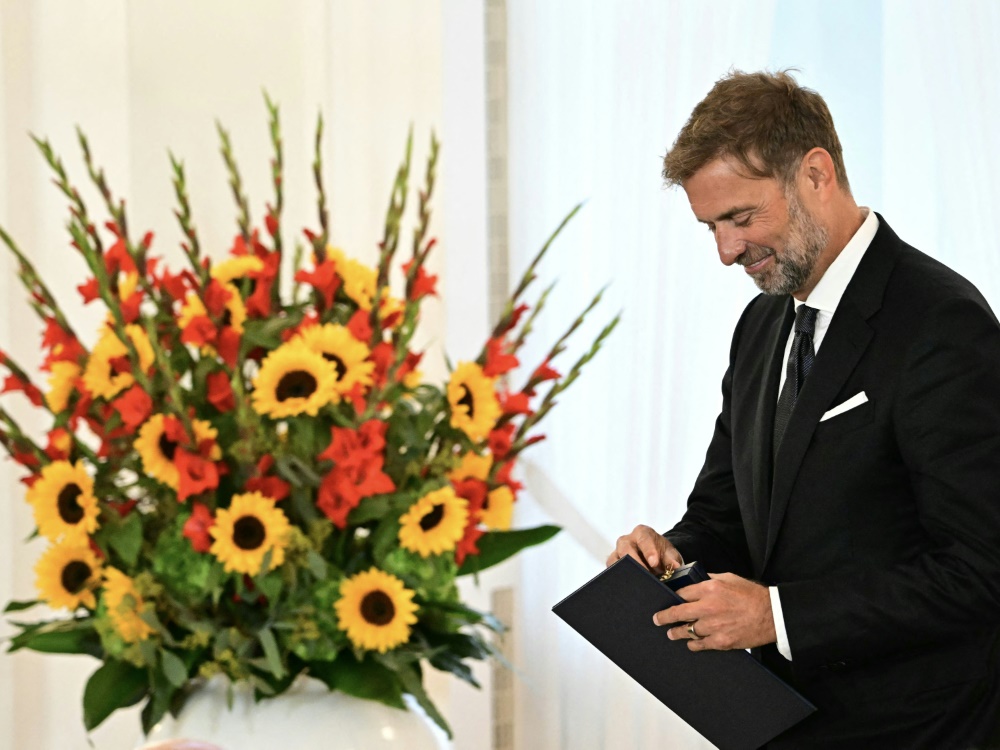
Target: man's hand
(726, 612)
(648, 548)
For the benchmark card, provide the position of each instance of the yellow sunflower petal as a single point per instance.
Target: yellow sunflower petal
(435, 523)
(246, 531)
(499, 509)
(376, 610)
(475, 408)
(62, 383)
(348, 356)
(67, 575)
(359, 280)
(63, 501)
(472, 466)
(156, 450)
(99, 377)
(124, 605)
(239, 267)
(292, 380)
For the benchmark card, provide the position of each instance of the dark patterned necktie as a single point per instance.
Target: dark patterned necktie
(800, 361)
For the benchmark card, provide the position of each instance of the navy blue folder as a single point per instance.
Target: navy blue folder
(727, 696)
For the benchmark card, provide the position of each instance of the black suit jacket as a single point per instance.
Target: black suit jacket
(880, 526)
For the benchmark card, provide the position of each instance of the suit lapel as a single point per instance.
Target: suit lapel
(845, 342)
(764, 427)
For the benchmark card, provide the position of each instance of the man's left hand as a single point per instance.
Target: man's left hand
(726, 612)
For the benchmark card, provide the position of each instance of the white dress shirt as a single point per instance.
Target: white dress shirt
(824, 297)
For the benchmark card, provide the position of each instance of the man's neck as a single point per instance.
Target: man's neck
(843, 225)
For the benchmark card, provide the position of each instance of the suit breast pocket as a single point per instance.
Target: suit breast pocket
(846, 422)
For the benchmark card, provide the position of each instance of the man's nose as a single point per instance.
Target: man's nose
(729, 244)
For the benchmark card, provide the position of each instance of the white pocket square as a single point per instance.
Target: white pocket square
(855, 400)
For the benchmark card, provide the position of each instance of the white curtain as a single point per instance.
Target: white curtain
(598, 93)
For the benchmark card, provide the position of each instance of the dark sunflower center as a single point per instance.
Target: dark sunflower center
(167, 447)
(69, 506)
(74, 576)
(227, 317)
(432, 519)
(466, 400)
(249, 532)
(377, 608)
(338, 364)
(295, 384)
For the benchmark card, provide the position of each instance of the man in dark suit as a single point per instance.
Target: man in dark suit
(849, 504)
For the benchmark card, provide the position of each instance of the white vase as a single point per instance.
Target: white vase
(308, 716)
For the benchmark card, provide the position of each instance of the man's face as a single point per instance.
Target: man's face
(758, 226)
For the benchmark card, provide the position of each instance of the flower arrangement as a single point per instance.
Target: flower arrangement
(246, 475)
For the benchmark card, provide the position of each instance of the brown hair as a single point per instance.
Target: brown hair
(766, 121)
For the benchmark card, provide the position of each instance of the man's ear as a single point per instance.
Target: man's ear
(817, 174)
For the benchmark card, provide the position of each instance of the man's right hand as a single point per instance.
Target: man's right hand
(649, 548)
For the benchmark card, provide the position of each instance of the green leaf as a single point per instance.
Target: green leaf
(271, 653)
(174, 668)
(60, 637)
(385, 539)
(449, 662)
(413, 684)
(317, 565)
(127, 539)
(365, 679)
(20, 606)
(161, 696)
(270, 585)
(370, 509)
(497, 546)
(115, 685)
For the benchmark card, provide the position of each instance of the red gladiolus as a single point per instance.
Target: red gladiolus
(497, 360)
(475, 491)
(134, 406)
(13, 383)
(360, 326)
(197, 526)
(220, 391)
(545, 372)
(500, 440)
(197, 474)
(59, 443)
(117, 258)
(89, 290)
(514, 403)
(468, 544)
(175, 285)
(228, 346)
(199, 332)
(423, 283)
(273, 487)
(62, 346)
(503, 476)
(215, 298)
(323, 278)
(514, 318)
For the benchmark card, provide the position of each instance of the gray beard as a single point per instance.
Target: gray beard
(806, 240)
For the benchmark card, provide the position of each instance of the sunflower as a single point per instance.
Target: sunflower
(105, 376)
(348, 356)
(474, 405)
(238, 268)
(235, 313)
(67, 575)
(376, 610)
(360, 281)
(64, 502)
(498, 509)
(125, 605)
(294, 379)
(472, 466)
(246, 531)
(435, 523)
(156, 450)
(62, 383)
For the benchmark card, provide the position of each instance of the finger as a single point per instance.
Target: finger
(646, 540)
(677, 613)
(612, 558)
(626, 546)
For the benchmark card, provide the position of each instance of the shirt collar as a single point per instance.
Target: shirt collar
(826, 294)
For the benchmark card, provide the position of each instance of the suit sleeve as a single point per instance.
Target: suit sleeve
(711, 530)
(946, 422)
